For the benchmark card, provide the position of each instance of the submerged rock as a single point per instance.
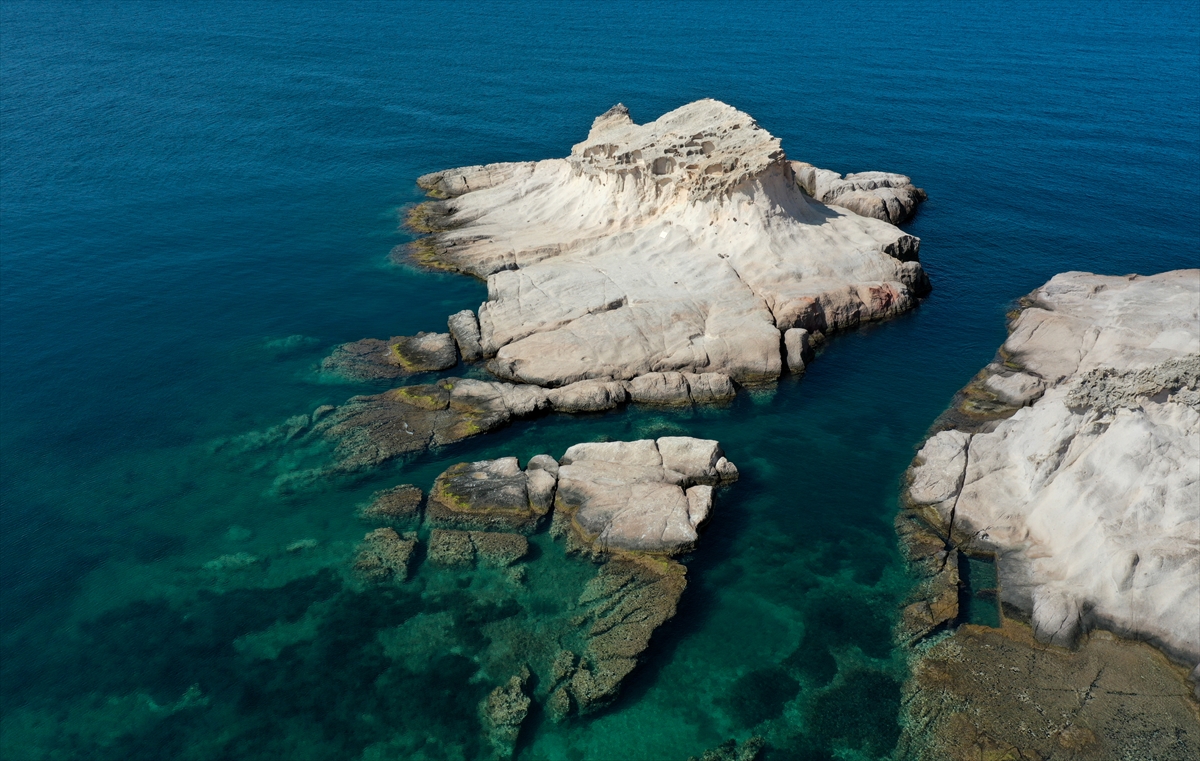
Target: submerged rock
(465, 548)
(397, 505)
(682, 245)
(504, 711)
(622, 607)
(984, 693)
(732, 750)
(384, 555)
(1088, 495)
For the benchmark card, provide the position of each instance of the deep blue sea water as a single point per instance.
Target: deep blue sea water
(197, 201)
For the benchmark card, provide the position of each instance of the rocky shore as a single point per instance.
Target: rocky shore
(1071, 463)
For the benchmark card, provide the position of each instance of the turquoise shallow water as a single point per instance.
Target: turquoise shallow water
(196, 204)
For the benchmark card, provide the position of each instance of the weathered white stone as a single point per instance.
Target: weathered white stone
(882, 195)
(465, 329)
(799, 350)
(640, 495)
(706, 388)
(1091, 495)
(684, 244)
(660, 388)
(1017, 389)
(588, 396)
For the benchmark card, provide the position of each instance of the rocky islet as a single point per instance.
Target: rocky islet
(592, 500)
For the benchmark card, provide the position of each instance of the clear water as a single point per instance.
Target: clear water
(198, 201)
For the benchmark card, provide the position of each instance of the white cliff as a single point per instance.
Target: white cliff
(686, 244)
(1090, 495)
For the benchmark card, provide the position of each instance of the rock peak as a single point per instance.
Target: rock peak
(706, 147)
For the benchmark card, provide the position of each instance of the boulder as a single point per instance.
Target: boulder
(881, 195)
(399, 356)
(489, 494)
(465, 328)
(644, 496)
(504, 711)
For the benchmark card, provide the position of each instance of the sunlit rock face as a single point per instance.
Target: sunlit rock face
(1090, 492)
(686, 244)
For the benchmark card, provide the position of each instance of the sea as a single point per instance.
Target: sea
(199, 200)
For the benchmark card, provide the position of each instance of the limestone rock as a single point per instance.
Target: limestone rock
(398, 505)
(631, 495)
(682, 245)
(731, 750)
(384, 555)
(465, 329)
(881, 195)
(798, 347)
(370, 430)
(1089, 495)
(588, 396)
(489, 494)
(707, 388)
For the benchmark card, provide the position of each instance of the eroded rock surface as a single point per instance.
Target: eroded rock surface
(645, 495)
(504, 711)
(1078, 467)
(682, 245)
(881, 195)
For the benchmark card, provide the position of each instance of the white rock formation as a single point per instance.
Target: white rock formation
(882, 195)
(644, 495)
(1091, 496)
(685, 244)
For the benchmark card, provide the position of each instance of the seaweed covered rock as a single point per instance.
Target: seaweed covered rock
(395, 506)
(504, 711)
(384, 556)
(622, 606)
(370, 430)
(685, 245)
(466, 548)
(373, 359)
(489, 494)
(732, 750)
(647, 495)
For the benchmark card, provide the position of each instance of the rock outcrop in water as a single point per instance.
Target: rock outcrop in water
(683, 245)
(629, 506)
(1072, 460)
